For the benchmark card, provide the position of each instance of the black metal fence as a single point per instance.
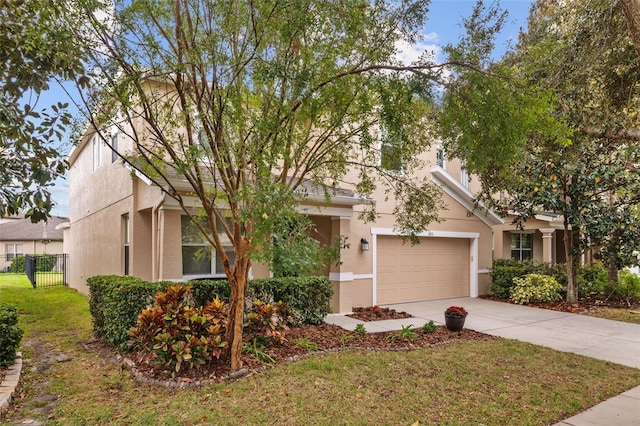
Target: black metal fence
(47, 270)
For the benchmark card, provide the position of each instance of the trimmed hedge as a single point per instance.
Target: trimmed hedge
(115, 302)
(536, 288)
(503, 271)
(10, 334)
(44, 263)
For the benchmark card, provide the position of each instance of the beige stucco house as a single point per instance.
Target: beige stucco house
(121, 223)
(539, 239)
(18, 237)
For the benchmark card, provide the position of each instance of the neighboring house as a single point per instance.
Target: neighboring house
(18, 236)
(121, 223)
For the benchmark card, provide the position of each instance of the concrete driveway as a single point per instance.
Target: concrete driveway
(603, 339)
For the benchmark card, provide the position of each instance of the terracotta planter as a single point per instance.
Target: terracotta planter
(454, 323)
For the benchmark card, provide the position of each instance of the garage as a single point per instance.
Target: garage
(437, 268)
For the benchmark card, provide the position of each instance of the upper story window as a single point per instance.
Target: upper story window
(464, 176)
(199, 259)
(441, 158)
(521, 246)
(13, 250)
(390, 156)
(114, 147)
(96, 144)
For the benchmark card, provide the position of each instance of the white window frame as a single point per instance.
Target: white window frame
(520, 250)
(114, 146)
(212, 253)
(96, 145)
(465, 180)
(13, 250)
(441, 156)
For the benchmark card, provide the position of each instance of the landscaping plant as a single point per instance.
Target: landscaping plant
(10, 334)
(174, 335)
(536, 288)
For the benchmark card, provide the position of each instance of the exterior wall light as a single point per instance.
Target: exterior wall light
(364, 244)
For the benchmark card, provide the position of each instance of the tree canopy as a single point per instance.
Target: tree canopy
(260, 104)
(557, 131)
(37, 44)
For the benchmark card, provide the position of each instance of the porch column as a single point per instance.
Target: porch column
(547, 244)
(341, 275)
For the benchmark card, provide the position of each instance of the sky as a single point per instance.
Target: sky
(443, 27)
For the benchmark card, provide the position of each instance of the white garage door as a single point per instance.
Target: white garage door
(437, 268)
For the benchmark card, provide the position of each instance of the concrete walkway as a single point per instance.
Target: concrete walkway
(598, 338)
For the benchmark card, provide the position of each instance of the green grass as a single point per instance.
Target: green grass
(491, 382)
(617, 314)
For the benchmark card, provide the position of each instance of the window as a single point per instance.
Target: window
(521, 246)
(198, 257)
(391, 156)
(13, 250)
(440, 156)
(114, 148)
(96, 145)
(464, 176)
(126, 240)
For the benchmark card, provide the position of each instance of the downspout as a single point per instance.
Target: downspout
(155, 239)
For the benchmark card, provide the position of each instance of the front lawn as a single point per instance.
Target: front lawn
(490, 382)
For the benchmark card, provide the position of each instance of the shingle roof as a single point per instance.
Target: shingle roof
(21, 229)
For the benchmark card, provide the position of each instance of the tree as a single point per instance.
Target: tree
(550, 136)
(36, 45)
(256, 112)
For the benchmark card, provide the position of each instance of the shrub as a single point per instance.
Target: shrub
(429, 327)
(46, 262)
(10, 334)
(629, 286)
(176, 335)
(307, 297)
(503, 271)
(592, 278)
(536, 288)
(19, 265)
(115, 302)
(268, 321)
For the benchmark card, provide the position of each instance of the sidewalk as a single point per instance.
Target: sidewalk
(598, 338)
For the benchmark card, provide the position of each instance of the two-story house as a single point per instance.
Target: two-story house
(121, 223)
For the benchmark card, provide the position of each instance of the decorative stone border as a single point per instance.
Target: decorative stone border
(10, 382)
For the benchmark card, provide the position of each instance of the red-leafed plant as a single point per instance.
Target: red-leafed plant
(174, 335)
(456, 312)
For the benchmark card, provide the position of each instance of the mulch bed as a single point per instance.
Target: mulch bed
(584, 305)
(376, 313)
(328, 338)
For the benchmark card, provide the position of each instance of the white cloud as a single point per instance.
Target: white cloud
(408, 54)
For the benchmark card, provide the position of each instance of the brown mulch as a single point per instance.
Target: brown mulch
(327, 337)
(376, 313)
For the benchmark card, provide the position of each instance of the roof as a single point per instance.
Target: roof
(21, 229)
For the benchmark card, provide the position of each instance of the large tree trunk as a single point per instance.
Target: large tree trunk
(631, 9)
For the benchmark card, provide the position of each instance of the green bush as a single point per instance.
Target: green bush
(116, 302)
(535, 288)
(592, 278)
(45, 262)
(629, 285)
(10, 334)
(19, 265)
(503, 271)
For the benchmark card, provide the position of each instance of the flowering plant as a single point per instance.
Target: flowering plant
(456, 311)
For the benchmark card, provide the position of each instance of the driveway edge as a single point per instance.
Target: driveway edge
(10, 382)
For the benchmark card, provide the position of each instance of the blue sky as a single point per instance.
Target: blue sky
(443, 27)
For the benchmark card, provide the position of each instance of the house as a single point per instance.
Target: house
(18, 237)
(123, 224)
